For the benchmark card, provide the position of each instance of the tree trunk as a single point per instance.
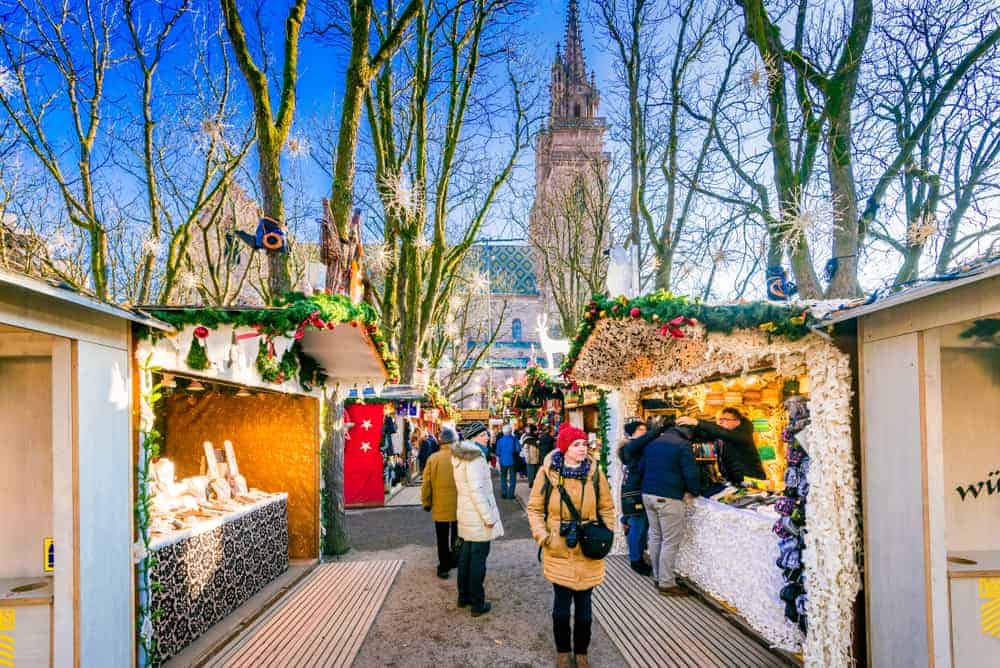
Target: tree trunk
(279, 280)
(846, 232)
(336, 537)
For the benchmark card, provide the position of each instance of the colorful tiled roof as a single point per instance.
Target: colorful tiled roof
(509, 267)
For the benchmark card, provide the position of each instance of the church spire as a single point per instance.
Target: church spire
(575, 64)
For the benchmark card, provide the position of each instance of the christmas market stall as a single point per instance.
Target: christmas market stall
(929, 386)
(780, 549)
(229, 474)
(536, 397)
(66, 587)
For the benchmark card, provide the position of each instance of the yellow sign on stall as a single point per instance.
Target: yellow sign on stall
(8, 623)
(989, 610)
(48, 555)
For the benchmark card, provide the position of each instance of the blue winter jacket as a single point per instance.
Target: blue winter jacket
(670, 468)
(507, 449)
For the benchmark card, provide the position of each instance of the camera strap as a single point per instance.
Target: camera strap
(567, 501)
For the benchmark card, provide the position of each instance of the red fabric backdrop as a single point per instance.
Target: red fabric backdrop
(363, 478)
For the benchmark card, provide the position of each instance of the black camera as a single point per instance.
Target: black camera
(569, 531)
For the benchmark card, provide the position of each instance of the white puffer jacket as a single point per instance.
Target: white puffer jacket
(477, 506)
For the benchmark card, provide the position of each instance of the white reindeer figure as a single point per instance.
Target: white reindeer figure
(549, 346)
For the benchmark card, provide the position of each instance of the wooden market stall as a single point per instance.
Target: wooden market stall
(930, 396)
(780, 553)
(66, 586)
(230, 452)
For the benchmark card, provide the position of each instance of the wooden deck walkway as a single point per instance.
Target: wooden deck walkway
(652, 630)
(321, 622)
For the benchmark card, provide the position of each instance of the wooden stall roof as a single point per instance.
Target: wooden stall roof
(933, 286)
(64, 293)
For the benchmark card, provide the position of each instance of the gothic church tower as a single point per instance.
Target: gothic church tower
(571, 165)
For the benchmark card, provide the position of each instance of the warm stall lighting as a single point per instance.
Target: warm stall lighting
(195, 386)
(244, 392)
(169, 381)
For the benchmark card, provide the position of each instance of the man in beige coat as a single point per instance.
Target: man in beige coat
(439, 496)
(478, 516)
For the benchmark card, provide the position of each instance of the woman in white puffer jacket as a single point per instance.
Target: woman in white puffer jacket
(478, 516)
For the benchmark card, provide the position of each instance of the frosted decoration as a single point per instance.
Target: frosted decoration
(281, 345)
(731, 553)
(621, 272)
(217, 346)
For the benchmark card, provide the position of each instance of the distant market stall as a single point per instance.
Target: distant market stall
(784, 552)
(232, 450)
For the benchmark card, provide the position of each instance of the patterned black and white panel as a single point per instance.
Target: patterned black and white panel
(205, 577)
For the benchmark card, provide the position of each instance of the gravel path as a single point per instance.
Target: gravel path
(419, 624)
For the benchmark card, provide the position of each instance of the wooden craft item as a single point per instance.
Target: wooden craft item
(234, 470)
(211, 464)
(715, 399)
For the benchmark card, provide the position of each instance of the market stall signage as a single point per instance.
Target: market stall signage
(989, 609)
(48, 555)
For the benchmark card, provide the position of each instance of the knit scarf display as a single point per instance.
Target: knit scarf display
(580, 472)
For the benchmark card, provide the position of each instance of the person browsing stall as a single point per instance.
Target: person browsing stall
(739, 454)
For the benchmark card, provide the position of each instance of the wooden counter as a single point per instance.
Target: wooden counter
(987, 565)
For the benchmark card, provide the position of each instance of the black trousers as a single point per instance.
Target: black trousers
(582, 618)
(472, 573)
(446, 532)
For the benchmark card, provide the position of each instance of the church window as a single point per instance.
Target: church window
(576, 111)
(516, 330)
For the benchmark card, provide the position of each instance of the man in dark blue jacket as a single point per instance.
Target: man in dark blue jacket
(669, 481)
(507, 449)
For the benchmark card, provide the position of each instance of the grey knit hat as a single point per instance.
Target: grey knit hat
(448, 435)
(473, 430)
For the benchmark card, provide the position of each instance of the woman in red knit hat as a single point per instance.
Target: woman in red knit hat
(573, 575)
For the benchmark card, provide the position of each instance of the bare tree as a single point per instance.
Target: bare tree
(825, 79)
(272, 129)
(424, 176)
(570, 247)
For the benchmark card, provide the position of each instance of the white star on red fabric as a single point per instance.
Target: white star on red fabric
(365, 446)
(367, 424)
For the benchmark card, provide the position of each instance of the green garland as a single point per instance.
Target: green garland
(661, 307)
(603, 429)
(145, 559)
(196, 358)
(293, 312)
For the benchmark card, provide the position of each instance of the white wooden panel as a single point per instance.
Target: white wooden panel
(893, 498)
(105, 532)
(25, 463)
(973, 647)
(63, 588)
(971, 395)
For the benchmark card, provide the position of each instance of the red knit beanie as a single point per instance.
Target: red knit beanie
(568, 434)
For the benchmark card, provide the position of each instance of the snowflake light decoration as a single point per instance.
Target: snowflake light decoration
(298, 147)
(918, 233)
(7, 83)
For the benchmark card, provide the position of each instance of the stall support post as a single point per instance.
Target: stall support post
(336, 539)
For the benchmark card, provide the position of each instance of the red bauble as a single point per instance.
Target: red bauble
(635, 312)
(201, 332)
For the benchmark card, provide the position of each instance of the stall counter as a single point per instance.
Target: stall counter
(206, 572)
(730, 554)
(26, 621)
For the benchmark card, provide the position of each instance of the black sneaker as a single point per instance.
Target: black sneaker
(462, 604)
(487, 606)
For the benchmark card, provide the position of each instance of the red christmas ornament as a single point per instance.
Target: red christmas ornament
(331, 325)
(201, 332)
(635, 312)
(614, 308)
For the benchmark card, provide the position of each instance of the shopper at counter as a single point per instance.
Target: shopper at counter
(633, 512)
(670, 480)
(739, 452)
(439, 496)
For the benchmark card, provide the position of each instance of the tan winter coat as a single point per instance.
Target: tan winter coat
(438, 491)
(477, 506)
(560, 564)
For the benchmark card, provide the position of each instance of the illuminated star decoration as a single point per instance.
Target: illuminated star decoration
(365, 446)
(367, 424)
